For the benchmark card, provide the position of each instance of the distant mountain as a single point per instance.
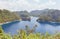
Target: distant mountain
(50, 15)
(35, 12)
(39, 12)
(45, 14)
(22, 13)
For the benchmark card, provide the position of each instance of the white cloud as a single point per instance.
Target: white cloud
(52, 2)
(36, 1)
(25, 5)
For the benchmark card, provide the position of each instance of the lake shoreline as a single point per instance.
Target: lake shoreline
(49, 22)
(9, 22)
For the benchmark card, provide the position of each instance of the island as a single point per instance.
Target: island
(25, 15)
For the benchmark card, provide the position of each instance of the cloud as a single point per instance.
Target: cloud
(37, 1)
(26, 5)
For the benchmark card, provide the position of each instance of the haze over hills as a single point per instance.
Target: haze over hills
(22, 13)
(46, 14)
(37, 12)
(44, 11)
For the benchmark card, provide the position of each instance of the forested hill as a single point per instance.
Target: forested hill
(50, 15)
(6, 16)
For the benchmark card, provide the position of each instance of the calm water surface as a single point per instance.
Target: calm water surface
(42, 28)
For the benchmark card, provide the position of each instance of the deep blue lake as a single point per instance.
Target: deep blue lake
(13, 27)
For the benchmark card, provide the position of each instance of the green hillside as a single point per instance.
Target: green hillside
(6, 15)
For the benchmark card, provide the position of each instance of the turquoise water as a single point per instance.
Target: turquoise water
(13, 27)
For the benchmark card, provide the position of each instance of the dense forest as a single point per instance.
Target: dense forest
(6, 15)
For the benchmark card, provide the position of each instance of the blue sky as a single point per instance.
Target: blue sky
(29, 5)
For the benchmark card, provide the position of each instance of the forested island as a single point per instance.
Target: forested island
(25, 15)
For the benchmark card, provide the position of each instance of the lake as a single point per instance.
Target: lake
(13, 27)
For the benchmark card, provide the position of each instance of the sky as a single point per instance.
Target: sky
(15, 5)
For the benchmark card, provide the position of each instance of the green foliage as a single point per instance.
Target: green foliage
(4, 35)
(23, 35)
